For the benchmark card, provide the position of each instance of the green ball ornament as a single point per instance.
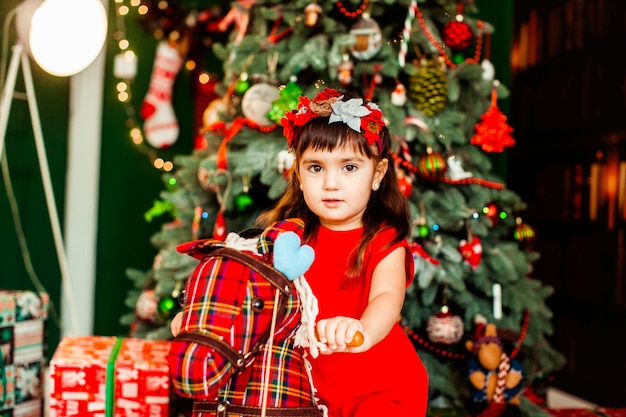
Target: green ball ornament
(243, 202)
(167, 307)
(458, 58)
(423, 231)
(241, 86)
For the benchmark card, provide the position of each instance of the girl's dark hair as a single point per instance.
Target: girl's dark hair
(387, 206)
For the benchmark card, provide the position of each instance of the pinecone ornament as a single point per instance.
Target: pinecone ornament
(428, 90)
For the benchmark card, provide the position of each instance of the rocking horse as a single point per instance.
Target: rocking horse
(248, 314)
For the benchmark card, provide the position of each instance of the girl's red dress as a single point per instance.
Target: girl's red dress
(387, 380)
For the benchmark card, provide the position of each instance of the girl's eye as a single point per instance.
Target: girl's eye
(315, 168)
(350, 168)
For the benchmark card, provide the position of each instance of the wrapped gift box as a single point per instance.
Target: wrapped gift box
(108, 376)
(22, 331)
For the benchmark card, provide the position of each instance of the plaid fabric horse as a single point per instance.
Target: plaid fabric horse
(235, 353)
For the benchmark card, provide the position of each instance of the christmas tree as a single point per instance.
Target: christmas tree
(431, 77)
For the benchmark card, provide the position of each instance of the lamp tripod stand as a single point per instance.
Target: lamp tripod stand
(19, 57)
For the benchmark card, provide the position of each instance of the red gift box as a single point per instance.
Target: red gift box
(105, 376)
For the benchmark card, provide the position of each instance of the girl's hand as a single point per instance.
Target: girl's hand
(338, 332)
(176, 323)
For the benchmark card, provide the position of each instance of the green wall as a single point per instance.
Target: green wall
(52, 95)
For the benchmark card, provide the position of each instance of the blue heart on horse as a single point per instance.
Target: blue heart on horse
(291, 258)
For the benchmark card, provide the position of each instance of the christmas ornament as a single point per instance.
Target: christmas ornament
(428, 89)
(198, 215)
(242, 84)
(439, 45)
(406, 33)
(422, 230)
(345, 70)
(523, 232)
(444, 327)
(417, 249)
(368, 36)
(312, 13)
(455, 170)
(146, 307)
(243, 201)
(257, 102)
(491, 211)
(493, 133)
(287, 101)
(489, 70)
(216, 113)
(398, 95)
(219, 229)
(405, 183)
(471, 251)
(239, 15)
(204, 93)
(285, 160)
(167, 307)
(488, 359)
(457, 34)
(431, 166)
(160, 123)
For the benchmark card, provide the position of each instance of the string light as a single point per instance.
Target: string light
(125, 68)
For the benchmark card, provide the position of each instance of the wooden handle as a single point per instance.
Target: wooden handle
(356, 341)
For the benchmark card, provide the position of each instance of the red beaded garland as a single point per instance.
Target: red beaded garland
(433, 348)
(443, 352)
(442, 52)
(472, 180)
(349, 13)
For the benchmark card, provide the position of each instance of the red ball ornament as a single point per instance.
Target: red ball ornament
(406, 185)
(491, 211)
(457, 35)
(444, 327)
(431, 166)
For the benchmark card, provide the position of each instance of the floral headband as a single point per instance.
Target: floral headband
(359, 116)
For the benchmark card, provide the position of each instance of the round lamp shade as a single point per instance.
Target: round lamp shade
(66, 36)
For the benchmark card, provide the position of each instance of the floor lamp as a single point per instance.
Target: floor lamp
(46, 13)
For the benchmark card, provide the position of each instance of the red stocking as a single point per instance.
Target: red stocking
(160, 123)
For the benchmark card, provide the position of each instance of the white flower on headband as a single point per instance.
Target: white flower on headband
(349, 112)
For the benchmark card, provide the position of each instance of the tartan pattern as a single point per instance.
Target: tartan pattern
(266, 240)
(220, 297)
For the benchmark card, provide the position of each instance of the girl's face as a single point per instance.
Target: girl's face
(337, 184)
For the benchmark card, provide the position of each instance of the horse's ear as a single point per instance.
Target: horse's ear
(266, 240)
(250, 233)
(199, 248)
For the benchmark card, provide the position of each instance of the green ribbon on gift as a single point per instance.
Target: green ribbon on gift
(109, 405)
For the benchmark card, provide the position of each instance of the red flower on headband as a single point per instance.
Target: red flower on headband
(323, 105)
(372, 124)
(295, 119)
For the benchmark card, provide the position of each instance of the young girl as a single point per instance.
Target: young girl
(356, 219)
